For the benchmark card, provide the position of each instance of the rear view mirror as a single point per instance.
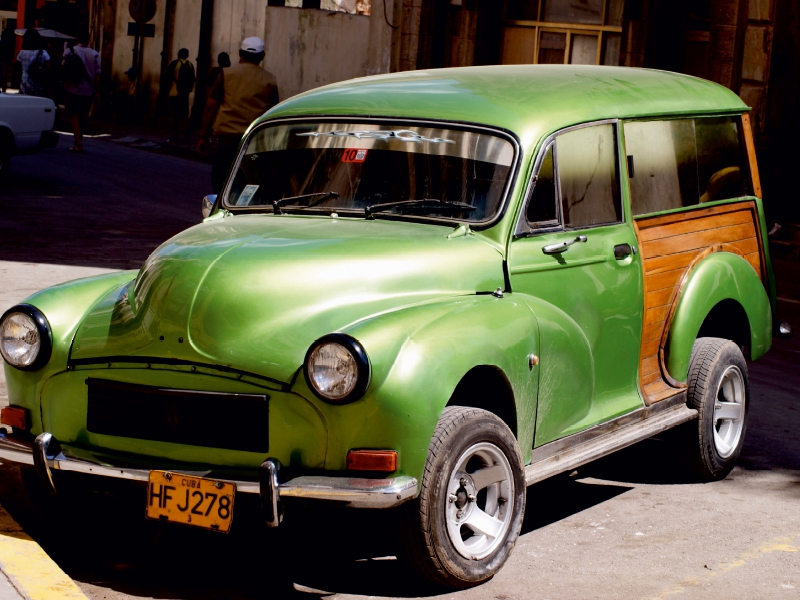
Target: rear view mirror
(208, 204)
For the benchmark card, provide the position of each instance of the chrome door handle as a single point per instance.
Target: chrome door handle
(563, 246)
(623, 251)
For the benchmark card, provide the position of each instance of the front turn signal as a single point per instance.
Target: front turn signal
(15, 417)
(372, 460)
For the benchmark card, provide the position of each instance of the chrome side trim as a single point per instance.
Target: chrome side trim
(640, 414)
(354, 492)
(581, 448)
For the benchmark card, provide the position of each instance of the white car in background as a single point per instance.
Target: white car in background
(26, 126)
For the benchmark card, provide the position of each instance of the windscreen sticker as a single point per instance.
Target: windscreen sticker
(354, 155)
(247, 195)
(403, 135)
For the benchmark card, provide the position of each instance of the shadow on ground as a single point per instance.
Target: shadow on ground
(102, 541)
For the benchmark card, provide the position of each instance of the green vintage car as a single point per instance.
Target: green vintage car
(421, 292)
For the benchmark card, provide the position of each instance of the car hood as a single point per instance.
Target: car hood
(253, 292)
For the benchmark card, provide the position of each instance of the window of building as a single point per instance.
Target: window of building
(354, 7)
(684, 162)
(578, 32)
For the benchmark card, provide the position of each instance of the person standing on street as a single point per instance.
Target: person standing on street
(223, 62)
(81, 73)
(241, 94)
(180, 77)
(35, 63)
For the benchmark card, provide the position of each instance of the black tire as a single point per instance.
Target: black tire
(717, 375)
(477, 441)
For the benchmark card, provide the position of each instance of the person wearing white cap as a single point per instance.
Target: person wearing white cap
(241, 94)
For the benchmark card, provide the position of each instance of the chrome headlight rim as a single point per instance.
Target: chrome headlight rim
(358, 353)
(45, 335)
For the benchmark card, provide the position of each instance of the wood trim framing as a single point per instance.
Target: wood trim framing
(671, 246)
(747, 132)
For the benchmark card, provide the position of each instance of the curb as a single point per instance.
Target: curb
(30, 570)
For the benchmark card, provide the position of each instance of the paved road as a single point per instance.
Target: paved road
(108, 208)
(628, 526)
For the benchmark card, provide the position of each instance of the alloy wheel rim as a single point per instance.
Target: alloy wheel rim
(479, 501)
(729, 411)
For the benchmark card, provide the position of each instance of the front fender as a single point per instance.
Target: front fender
(64, 306)
(418, 356)
(720, 276)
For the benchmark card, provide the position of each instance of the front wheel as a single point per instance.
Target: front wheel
(718, 389)
(463, 526)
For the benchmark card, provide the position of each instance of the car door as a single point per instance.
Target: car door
(574, 252)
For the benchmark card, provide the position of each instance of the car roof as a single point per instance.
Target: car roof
(530, 100)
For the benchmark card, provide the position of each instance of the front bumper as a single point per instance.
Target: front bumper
(45, 456)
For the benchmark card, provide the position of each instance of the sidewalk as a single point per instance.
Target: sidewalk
(26, 571)
(7, 591)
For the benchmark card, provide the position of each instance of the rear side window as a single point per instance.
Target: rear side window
(684, 162)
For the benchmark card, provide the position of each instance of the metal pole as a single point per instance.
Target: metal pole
(203, 62)
(138, 53)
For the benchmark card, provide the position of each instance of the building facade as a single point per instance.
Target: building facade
(750, 46)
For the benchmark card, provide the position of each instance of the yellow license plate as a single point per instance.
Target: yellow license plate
(190, 500)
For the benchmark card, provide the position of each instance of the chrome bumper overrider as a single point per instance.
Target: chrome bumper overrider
(45, 456)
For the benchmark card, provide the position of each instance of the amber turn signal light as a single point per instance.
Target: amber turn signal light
(16, 417)
(372, 460)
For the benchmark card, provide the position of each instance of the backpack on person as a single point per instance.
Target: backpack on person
(37, 71)
(74, 69)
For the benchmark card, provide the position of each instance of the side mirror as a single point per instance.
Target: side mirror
(208, 205)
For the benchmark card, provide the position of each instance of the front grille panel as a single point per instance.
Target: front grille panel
(208, 419)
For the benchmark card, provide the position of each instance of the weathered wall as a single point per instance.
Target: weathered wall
(184, 33)
(306, 48)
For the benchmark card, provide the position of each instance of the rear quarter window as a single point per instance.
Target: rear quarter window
(684, 162)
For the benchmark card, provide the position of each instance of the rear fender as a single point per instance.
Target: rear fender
(718, 277)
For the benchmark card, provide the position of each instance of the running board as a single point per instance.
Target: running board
(601, 440)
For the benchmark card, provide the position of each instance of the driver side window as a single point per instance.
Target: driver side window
(577, 185)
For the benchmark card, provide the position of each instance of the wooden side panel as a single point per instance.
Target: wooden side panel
(670, 247)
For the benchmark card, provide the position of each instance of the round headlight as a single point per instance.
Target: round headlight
(337, 369)
(25, 337)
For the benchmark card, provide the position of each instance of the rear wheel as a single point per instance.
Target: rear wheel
(5, 164)
(467, 518)
(718, 389)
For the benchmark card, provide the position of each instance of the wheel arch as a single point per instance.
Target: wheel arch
(487, 387)
(723, 297)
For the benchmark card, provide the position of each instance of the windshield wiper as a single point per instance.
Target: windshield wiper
(276, 204)
(428, 204)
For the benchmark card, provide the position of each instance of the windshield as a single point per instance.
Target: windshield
(349, 168)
